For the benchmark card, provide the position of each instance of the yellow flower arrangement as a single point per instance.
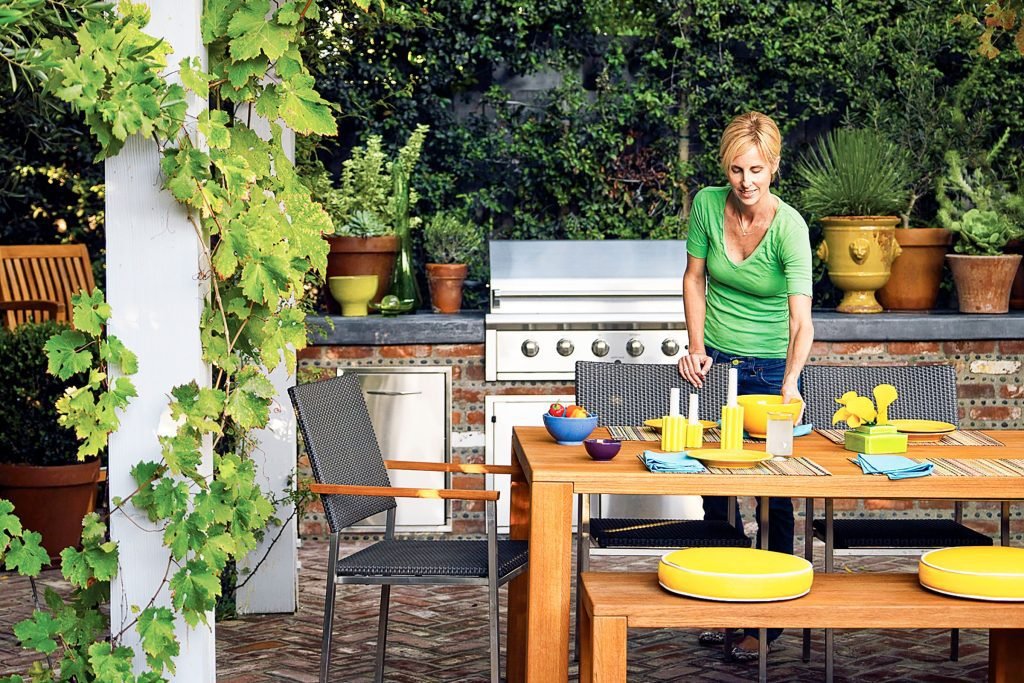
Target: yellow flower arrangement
(859, 410)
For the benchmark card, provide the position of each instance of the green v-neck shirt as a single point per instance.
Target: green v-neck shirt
(748, 302)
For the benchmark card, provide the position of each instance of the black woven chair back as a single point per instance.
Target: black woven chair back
(626, 394)
(926, 392)
(342, 446)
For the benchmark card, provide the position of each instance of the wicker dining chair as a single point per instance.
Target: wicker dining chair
(926, 392)
(351, 478)
(627, 394)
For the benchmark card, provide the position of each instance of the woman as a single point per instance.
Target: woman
(747, 297)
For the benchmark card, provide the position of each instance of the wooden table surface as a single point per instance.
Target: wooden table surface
(547, 477)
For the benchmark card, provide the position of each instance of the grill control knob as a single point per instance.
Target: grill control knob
(600, 348)
(670, 347)
(634, 347)
(530, 348)
(564, 347)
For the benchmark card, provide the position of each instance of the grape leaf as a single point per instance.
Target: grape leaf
(156, 626)
(38, 632)
(252, 33)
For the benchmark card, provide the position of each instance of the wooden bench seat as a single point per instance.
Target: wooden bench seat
(616, 601)
(37, 281)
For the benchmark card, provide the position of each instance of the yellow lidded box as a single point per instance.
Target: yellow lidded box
(735, 574)
(979, 572)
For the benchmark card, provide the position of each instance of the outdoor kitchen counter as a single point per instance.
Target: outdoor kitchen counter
(468, 328)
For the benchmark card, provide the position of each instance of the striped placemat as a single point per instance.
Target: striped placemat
(981, 467)
(961, 437)
(712, 435)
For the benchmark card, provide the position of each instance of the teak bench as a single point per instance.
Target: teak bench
(616, 601)
(37, 281)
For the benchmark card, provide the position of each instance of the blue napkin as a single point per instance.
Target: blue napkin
(677, 463)
(893, 466)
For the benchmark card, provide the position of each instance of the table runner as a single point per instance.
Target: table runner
(712, 435)
(791, 466)
(961, 437)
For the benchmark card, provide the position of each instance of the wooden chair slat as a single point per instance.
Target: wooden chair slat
(42, 272)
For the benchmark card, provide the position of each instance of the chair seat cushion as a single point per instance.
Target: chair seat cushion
(432, 558)
(900, 533)
(665, 533)
(735, 574)
(994, 573)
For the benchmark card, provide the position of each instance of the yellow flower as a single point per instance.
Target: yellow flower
(856, 410)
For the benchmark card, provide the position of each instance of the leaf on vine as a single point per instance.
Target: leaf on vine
(115, 352)
(63, 356)
(240, 72)
(169, 497)
(38, 632)
(236, 172)
(111, 664)
(216, 16)
(200, 408)
(218, 549)
(189, 179)
(256, 152)
(194, 78)
(193, 591)
(265, 278)
(302, 108)
(288, 13)
(26, 554)
(181, 454)
(213, 125)
(90, 312)
(252, 33)
(156, 626)
(249, 403)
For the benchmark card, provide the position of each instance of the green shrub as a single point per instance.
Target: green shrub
(450, 237)
(28, 394)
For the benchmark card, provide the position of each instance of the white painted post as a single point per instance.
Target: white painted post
(153, 285)
(274, 588)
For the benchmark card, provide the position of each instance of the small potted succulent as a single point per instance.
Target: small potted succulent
(986, 216)
(451, 241)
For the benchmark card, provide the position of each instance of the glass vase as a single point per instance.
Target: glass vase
(403, 277)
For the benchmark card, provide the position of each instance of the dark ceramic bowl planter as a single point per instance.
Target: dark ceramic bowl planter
(445, 281)
(52, 500)
(362, 256)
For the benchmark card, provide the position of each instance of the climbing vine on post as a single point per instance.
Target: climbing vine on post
(261, 234)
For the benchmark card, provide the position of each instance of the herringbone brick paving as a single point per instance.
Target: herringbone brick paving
(441, 635)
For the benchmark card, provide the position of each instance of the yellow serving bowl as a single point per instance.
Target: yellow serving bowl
(735, 574)
(353, 292)
(756, 408)
(979, 572)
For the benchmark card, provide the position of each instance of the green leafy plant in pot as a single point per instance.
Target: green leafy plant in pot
(40, 472)
(853, 182)
(986, 216)
(451, 241)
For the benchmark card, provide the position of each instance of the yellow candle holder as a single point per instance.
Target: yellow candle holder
(673, 433)
(694, 435)
(732, 428)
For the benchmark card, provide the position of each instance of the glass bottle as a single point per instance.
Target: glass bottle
(403, 277)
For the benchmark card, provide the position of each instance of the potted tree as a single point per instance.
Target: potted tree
(364, 209)
(854, 182)
(451, 241)
(986, 217)
(39, 469)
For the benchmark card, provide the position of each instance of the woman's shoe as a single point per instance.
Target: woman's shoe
(742, 654)
(715, 638)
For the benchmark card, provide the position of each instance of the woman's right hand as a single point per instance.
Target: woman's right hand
(695, 367)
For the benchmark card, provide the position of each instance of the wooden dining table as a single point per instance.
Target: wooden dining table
(547, 476)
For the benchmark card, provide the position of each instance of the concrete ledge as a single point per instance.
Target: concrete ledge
(468, 328)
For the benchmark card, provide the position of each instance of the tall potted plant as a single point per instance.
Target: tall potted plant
(986, 216)
(451, 241)
(39, 469)
(854, 182)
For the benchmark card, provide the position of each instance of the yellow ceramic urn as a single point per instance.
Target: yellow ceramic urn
(858, 252)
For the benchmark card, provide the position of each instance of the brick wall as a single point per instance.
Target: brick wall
(989, 377)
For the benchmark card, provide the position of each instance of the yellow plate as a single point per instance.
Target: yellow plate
(655, 424)
(923, 426)
(728, 457)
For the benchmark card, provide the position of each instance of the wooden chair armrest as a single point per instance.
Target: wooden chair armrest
(464, 467)
(31, 305)
(392, 491)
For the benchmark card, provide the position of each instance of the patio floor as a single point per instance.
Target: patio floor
(441, 635)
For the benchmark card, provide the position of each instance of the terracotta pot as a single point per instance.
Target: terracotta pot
(983, 282)
(914, 281)
(1017, 290)
(362, 256)
(52, 500)
(445, 281)
(858, 252)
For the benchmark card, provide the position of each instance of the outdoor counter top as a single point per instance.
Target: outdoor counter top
(468, 328)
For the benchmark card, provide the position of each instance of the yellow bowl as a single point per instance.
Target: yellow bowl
(353, 292)
(756, 408)
(735, 574)
(979, 572)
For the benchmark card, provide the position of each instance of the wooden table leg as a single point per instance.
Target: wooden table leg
(608, 650)
(584, 631)
(518, 588)
(1006, 655)
(547, 657)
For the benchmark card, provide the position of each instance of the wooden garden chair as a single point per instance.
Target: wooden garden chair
(38, 280)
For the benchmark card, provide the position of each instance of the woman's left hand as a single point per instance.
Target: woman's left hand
(792, 393)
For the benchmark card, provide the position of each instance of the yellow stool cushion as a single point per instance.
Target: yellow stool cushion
(979, 572)
(735, 574)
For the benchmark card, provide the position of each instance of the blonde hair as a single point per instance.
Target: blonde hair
(752, 129)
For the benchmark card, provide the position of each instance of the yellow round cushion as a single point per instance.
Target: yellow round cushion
(979, 572)
(735, 574)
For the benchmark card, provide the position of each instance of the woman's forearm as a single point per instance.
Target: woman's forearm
(695, 311)
(801, 338)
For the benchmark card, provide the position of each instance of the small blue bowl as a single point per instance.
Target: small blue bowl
(570, 431)
(602, 449)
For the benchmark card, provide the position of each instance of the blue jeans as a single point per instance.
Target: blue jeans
(757, 376)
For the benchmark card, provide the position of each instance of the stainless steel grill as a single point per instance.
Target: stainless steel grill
(556, 302)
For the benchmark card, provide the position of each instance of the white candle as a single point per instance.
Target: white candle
(693, 410)
(673, 401)
(733, 379)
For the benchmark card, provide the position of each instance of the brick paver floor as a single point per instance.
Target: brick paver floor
(441, 635)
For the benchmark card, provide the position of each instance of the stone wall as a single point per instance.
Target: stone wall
(990, 385)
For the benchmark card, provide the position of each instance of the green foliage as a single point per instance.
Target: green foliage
(20, 550)
(978, 205)
(853, 172)
(32, 433)
(999, 18)
(450, 237)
